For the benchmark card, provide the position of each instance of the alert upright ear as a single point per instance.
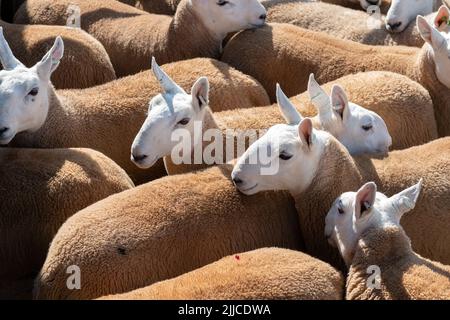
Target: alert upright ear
(365, 199)
(442, 16)
(290, 114)
(430, 34)
(200, 94)
(51, 60)
(406, 200)
(339, 102)
(305, 132)
(7, 58)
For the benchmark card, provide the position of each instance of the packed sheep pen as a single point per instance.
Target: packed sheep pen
(225, 150)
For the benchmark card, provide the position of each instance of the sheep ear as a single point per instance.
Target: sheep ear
(319, 97)
(7, 58)
(168, 85)
(442, 16)
(51, 60)
(200, 94)
(406, 200)
(290, 114)
(339, 102)
(365, 199)
(430, 34)
(305, 132)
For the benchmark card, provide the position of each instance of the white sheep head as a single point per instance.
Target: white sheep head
(287, 157)
(360, 130)
(174, 111)
(355, 212)
(24, 98)
(225, 16)
(439, 45)
(402, 12)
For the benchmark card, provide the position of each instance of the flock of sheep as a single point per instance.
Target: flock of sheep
(358, 206)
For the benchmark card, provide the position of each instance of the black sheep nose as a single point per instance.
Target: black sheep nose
(237, 181)
(3, 130)
(139, 158)
(394, 26)
(263, 17)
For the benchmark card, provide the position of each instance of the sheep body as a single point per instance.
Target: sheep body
(85, 65)
(135, 239)
(268, 273)
(40, 190)
(344, 23)
(95, 117)
(290, 62)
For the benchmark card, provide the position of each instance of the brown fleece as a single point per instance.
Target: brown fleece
(427, 225)
(270, 55)
(404, 274)
(40, 190)
(340, 22)
(85, 63)
(164, 229)
(130, 36)
(107, 118)
(264, 274)
(405, 106)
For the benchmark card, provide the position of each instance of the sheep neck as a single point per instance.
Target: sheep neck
(387, 249)
(424, 72)
(187, 23)
(337, 174)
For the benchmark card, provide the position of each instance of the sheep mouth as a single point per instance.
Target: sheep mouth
(256, 26)
(249, 189)
(6, 140)
(146, 164)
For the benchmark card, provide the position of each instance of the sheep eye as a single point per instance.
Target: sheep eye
(184, 122)
(34, 92)
(340, 210)
(222, 2)
(284, 156)
(367, 127)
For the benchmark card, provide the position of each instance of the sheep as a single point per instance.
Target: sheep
(270, 55)
(131, 36)
(40, 190)
(365, 226)
(95, 117)
(402, 13)
(316, 169)
(30, 43)
(134, 239)
(268, 273)
(361, 130)
(345, 23)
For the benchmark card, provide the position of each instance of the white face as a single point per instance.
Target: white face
(402, 12)
(24, 91)
(360, 130)
(439, 46)
(355, 212)
(226, 16)
(285, 158)
(168, 112)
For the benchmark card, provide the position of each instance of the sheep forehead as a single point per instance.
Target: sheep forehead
(361, 113)
(169, 105)
(281, 136)
(17, 79)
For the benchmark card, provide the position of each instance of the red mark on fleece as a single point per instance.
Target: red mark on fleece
(238, 258)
